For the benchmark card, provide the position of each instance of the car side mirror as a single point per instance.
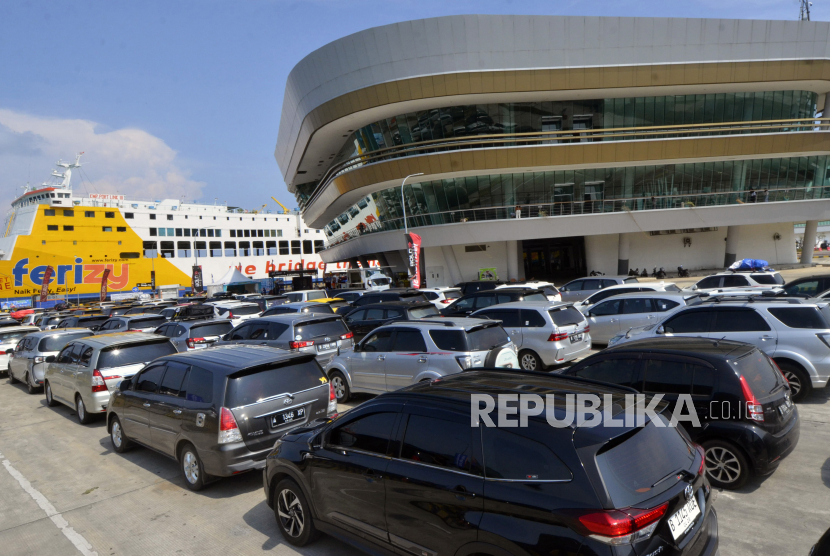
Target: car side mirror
(50, 359)
(95, 328)
(124, 385)
(660, 330)
(356, 347)
(226, 337)
(589, 314)
(10, 352)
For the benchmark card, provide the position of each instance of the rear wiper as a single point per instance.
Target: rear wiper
(667, 477)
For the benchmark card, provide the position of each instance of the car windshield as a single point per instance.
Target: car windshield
(486, 338)
(317, 329)
(421, 312)
(452, 294)
(252, 387)
(58, 341)
(566, 316)
(120, 356)
(245, 310)
(212, 329)
(760, 375)
(379, 281)
(151, 322)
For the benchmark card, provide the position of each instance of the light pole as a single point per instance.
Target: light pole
(403, 202)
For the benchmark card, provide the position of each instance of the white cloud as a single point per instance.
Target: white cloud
(126, 161)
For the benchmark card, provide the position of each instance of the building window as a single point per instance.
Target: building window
(200, 247)
(178, 232)
(49, 212)
(210, 232)
(68, 212)
(271, 247)
(69, 228)
(279, 233)
(218, 233)
(233, 233)
(153, 232)
(89, 214)
(167, 249)
(170, 217)
(107, 228)
(259, 233)
(187, 232)
(162, 231)
(128, 215)
(130, 255)
(284, 250)
(319, 245)
(43, 242)
(52, 228)
(109, 215)
(230, 248)
(259, 249)
(215, 248)
(184, 249)
(152, 217)
(307, 249)
(474, 248)
(150, 249)
(244, 248)
(121, 229)
(74, 243)
(296, 248)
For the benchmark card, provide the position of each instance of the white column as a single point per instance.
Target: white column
(452, 264)
(512, 260)
(623, 249)
(809, 241)
(731, 246)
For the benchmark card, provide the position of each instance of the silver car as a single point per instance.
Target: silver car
(403, 353)
(87, 370)
(577, 290)
(131, 323)
(28, 362)
(545, 333)
(9, 338)
(195, 334)
(794, 334)
(622, 312)
(299, 307)
(586, 304)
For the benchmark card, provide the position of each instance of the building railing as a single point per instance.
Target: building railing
(593, 206)
(566, 137)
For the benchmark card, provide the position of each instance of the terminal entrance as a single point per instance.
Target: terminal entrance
(556, 260)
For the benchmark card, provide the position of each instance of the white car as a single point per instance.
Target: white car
(9, 337)
(441, 296)
(551, 291)
(730, 279)
(305, 295)
(586, 304)
(236, 311)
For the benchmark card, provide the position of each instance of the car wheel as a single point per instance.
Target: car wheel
(726, 465)
(119, 440)
(12, 380)
(341, 387)
(800, 383)
(32, 388)
(529, 361)
(293, 514)
(50, 401)
(192, 469)
(84, 417)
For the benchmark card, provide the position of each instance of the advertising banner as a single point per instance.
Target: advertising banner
(152, 279)
(413, 246)
(104, 284)
(487, 274)
(196, 281)
(44, 288)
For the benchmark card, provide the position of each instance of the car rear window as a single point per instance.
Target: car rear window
(252, 387)
(672, 288)
(758, 372)
(413, 297)
(633, 467)
(212, 329)
(536, 296)
(280, 311)
(91, 321)
(800, 317)
(452, 295)
(421, 312)
(59, 341)
(321, 308)
(449, 340)
(317, 329)
(630, 280)
(771, 279)
(119, 356)
(566, 316)
(147, 323)
(246, 310)
(8, 337)
(486, 338)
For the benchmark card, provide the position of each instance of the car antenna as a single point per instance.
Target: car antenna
(717, 341)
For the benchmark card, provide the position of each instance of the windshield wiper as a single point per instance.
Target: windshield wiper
(667, 477)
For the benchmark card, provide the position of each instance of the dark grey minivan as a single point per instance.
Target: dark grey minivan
(218, 411)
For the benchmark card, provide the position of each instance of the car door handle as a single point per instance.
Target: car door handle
(460, 491)
(422, 359)
(381, 358)
(177, 411)
(767, 338)
(146, 404)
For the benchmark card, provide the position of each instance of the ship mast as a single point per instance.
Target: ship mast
(804, 10)
(66, 176)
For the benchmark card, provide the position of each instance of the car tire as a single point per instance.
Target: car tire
(12, 380)
(50, 400)
(84, 417)
(726, 465)
(293, 514)
(529, 361)
(120, 442)
(341, 387)
(31, 388)
(190, 464)
(800, 384)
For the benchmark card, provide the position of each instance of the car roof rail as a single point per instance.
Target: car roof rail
(552, 375)
(441, 322)
(752, 299)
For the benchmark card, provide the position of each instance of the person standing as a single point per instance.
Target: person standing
(753, 196)
(766, 195)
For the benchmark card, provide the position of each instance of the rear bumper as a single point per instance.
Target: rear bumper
(231, 459)
(712, 543)
(563, 352)
(777, 446)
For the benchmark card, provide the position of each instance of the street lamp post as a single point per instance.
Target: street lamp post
(403, 202)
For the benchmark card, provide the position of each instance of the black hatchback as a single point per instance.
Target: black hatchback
(464, 306)
(364, 319)
(748, 420)
(406, 473)
(218, 411)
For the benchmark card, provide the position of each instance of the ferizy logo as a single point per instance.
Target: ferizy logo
(77, 274)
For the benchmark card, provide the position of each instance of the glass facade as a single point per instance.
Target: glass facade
(528, 117)
(599, 190)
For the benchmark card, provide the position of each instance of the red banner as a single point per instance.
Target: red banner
(44, 288)
(104, 284)
(413, 246)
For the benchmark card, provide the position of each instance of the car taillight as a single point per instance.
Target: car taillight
(587, 329)
(557, 336)
(619, 527)
(702, 453)
(230, 314)
(446, 301)
(332, 409)
(191, 342)
(302, 344)
(464, 361)
(98, 384)
(228, 429)
(347, 336)
(754, 410)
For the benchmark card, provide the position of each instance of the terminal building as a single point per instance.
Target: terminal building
(546, 147)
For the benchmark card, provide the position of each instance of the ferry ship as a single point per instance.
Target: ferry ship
(80, 237)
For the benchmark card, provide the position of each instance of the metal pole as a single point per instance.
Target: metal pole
(403, 202)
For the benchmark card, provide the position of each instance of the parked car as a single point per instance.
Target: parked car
(723, 377)
(218, 411)
(318, 334)
(605, 293)
(130, 323)
(730, 279)
(364, 319)
(796, 335)
(87, 370)
(236, 311)
(52, 321)
(115, 310)
(822, 547)
(545, 333)
(265, 302)
(388, 296)
(422, 481)
(190, 312)
(622, 312)
(477, 286)
(807, 286)
(549, 289)
(466, 305)
(346, 295)
(193, 334)
(441, 296)
(9, 337)
(577, 290)
(336, 304)
(8, 322)
(145, 309)
(93, 322)
(300, 307)
(402, 353)
(305, 295)
(28, 362)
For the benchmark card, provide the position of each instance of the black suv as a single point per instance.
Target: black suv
(748, 421)
(364, 319)
(477, 286)
(389, 296)
(218, 411)
(808, 286)
(406, 473)
(464, 306)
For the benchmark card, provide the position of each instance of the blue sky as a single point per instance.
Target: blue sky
(182, 98)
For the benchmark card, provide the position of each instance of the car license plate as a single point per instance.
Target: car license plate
(680, 522)
(285, 417)
(326, 347)
(576, 338)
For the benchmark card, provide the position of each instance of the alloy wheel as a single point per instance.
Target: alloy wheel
(116, 434)
(191, 467)
(339, 388)
(291, 513)
(80, 409)
(528, 362)
(48, 394)
(795, 382)
(722, 465)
